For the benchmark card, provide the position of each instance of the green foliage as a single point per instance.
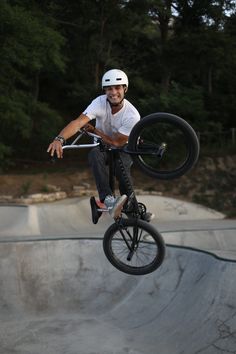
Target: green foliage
(187, 102)
(5, 152)
(25, 187)
(180, 57)
(45, 122)
(28, 40)
(30, 47)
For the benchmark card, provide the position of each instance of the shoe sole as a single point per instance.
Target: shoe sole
(118, 208)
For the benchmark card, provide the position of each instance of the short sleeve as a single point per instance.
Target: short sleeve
(128, 124)
(94, 109)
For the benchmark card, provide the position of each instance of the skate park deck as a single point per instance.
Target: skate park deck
(59, 294)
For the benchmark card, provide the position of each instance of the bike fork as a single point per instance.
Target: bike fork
(132, 246)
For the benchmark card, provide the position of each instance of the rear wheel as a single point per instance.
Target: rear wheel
(163, 145)
(134, 247)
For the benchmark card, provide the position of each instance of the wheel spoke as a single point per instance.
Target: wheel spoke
(140, 257)
(153, 136)
(143, 255)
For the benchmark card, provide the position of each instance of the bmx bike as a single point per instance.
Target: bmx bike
(163, 146)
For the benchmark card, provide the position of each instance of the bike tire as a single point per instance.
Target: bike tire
(172, 133)
(148, 255)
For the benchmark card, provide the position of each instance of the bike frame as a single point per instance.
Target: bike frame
(136, 226)
(113, 153)
(131, 229)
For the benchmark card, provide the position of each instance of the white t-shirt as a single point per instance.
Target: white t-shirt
(122, 121)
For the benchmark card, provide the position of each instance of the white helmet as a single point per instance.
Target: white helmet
(114, 77)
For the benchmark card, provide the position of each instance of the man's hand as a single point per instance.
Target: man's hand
(56, 147)
(89, 128)
(71, 129)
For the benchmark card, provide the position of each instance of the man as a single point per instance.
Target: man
(115, 117)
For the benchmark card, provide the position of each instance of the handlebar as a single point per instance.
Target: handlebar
(98, 142)
(73, 145)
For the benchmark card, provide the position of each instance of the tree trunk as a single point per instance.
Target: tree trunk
(209, 81)
(36, 87)
(164, 16)
(165, 82)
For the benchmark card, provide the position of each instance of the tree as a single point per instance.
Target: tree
(30, 47)
(179, 56)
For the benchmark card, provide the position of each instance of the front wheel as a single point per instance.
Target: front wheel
(163, 145)
(134, 247)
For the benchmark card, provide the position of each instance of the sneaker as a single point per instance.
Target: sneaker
(115, 205)
(148, 216)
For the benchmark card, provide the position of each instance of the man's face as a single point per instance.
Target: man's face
(115, 94)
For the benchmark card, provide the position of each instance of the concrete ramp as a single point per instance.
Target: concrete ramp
(60, 295)
(73, 216)
(19, 220)
(63, 297)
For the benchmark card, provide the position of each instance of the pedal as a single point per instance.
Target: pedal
(94, 209)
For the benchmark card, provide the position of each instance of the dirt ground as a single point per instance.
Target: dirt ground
(27, 182)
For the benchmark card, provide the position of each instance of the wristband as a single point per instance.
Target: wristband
(61, 139)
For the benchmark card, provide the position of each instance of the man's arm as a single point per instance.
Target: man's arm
(71, 129)
(117, 139)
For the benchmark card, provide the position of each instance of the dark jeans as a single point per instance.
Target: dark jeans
(98, 161)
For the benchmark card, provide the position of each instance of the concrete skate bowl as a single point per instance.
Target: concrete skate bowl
(63, 297)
